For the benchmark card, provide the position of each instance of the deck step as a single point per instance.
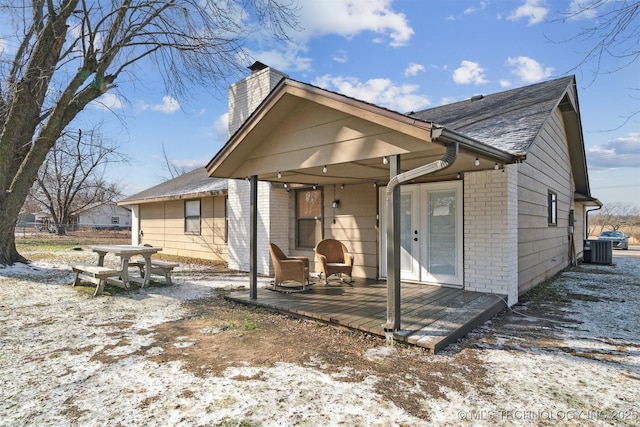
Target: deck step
(455, 323)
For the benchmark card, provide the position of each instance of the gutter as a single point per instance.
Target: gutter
(439, 133)
(393, 270)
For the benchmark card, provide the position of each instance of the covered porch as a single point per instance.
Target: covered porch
(302, 139)
(432, 316)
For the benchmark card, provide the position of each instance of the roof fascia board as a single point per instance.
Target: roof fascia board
(172, 198)
(469, 144)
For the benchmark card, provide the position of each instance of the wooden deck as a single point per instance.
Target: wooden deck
(432, 317)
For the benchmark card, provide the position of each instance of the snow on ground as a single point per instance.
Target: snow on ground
(69, 359)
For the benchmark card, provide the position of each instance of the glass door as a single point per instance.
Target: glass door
(430, 233)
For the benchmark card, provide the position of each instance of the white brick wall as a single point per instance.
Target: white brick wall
(239, 207)
(247, 94)
(244, 97)
(491, 232)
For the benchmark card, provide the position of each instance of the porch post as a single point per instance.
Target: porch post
(253, 238)
(393, 250)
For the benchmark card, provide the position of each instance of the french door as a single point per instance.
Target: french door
(430, 233)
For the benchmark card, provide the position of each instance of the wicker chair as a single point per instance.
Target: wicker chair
(288, 268)
(333, 257)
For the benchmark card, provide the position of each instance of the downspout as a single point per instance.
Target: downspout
(393, 270)
(586, 219)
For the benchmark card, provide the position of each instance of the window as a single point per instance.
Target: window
(115, 220)
(308, 218)
(552, 208)
(192, 216)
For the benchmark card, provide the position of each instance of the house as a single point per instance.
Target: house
(489, 194)
(103, 215)
(186, 216)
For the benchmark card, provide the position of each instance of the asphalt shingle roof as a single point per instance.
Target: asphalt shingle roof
(508, 120)
(190, 183)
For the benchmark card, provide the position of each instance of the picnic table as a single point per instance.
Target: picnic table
(125, 252)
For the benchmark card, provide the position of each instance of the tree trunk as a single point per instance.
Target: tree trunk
(8, 252)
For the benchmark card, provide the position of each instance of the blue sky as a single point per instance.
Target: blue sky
(404, 55)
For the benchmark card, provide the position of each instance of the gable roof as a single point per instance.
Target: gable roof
(508, 120)
(188, 185)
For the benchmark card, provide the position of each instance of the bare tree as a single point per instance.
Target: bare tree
(612, 39)
(614, 34)
(65, 54)
(616, 216)
(72, 177)
(173, 169)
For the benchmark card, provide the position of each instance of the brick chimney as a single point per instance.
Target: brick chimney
(247, 94)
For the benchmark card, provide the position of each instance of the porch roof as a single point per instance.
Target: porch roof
(302, 134)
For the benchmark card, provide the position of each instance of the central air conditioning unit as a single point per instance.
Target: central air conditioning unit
(598, 252)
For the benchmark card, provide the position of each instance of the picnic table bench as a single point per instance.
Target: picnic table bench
(162, 268)
(93, 273)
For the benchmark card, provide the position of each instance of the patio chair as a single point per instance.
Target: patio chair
(288, 268)
(333, 257)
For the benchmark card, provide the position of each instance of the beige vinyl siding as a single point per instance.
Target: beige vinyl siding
(543, 249)
(162, 224)
(355, 225)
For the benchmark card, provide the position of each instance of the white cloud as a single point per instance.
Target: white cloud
(4, 47)
(533, 10)
(622, 152)
(341, 56)
(413, 69)
(169, 105)
(344, 18)
(381, 92)
(108, 101)
(504, 83)
(289, 59)
(348, 18)
(582, 9)
(472, 9)
(221, 127)
(529, 70)
(469, 72)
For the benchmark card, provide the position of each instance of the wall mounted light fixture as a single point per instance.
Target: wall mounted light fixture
(335, 203)
(385, 160)
(324, 169)
(477, 162)
(279, 174)
(496, 167)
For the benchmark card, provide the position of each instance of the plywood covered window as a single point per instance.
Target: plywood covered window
(552, 206)
(192, 216)
(308, 217)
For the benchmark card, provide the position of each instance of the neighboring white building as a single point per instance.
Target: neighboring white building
(108, 215)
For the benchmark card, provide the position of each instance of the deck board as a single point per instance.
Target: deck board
(432, 316)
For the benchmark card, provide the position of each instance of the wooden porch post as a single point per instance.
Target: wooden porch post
(393, 251)
(253, 239)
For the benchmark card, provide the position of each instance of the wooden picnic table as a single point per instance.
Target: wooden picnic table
(125, 252)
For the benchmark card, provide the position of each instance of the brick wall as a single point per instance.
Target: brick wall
(244, 98)
(491, 232)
